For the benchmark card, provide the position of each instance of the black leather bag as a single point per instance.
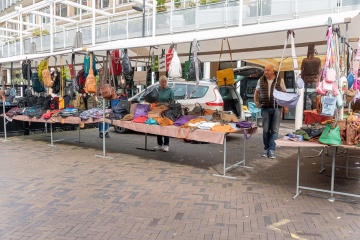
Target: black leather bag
(151, 95)
(126, 64)
(173, 112)
(313, 132)
(198, 110)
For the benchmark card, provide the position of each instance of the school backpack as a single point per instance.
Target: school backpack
(81, 79)
(54, 103)
(25, 71)
(56, 81)
(37, 85)
(31, 101)
(90, 102)
(39, 102)
(126, 64)
(115, 62)
(46, 102)
(87, 64)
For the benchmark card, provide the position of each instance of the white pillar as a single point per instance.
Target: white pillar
(8, 76)
(241, 7)
(299, 111)
(206, 70)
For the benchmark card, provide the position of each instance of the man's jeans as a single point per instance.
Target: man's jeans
(161, 142)
(101, 127)
(270, 124)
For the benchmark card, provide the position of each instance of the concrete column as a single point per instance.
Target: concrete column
(206, 70)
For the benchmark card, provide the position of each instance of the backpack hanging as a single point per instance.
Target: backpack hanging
(46, 75)
(115, 62)
(175, 70)
(90, 84)
(37, 85)
(126, 64)
(282, 98)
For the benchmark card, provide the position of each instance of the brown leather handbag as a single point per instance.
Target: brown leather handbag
(46, 75)
(107, 89)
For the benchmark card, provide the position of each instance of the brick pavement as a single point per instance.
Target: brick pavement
(64, 192)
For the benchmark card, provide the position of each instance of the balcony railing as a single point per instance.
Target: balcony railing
(185, 17)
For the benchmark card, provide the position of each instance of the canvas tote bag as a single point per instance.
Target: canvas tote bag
(139, 76)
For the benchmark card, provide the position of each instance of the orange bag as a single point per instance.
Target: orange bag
(46, 75)
(222, 128)
(90, 83)
(164, 122)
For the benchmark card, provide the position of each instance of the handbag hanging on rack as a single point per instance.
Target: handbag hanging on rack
(282, 98)
(226, 76)
(107, 89)
(90, 84)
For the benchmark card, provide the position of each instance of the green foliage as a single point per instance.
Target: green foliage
(37, 32)
(65, 72)
(177, 3)
(160, 7)
(18, 79)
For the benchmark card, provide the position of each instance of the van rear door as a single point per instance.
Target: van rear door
(231, 100)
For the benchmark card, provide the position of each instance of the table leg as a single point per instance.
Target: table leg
(225, 169)
(146, 149)
(332, 174)
(297, 175)
(322, 168)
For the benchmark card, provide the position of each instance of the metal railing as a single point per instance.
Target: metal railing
(185, 16)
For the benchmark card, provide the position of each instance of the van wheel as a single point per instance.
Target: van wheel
(121, 129)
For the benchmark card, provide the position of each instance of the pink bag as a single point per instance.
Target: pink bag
(330, 75)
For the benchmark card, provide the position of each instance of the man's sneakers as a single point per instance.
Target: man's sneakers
(161, 148)
(158, 147)
(272, 154)
(269, 154)
(265, 153)
(165, 148)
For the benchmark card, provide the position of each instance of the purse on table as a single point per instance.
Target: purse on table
(331, 136)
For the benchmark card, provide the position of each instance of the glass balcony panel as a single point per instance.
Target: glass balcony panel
(26, 46)
(135, 27)
(314, 7)
(70, 37)
(276, 10)
(118, 30)
(211, 16)
(233, 13)
(5, 51)
(37, 41)
(58, 38)
(348, 5)
(12, 50)
(162, 23)
(184, 20)
(86, 35)
(46, 43)
(101, 33)
(250, 12)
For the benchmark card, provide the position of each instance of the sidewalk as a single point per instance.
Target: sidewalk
(64, 192)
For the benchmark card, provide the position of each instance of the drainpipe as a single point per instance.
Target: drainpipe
(51, 27)
(93, 23)
(154, 18)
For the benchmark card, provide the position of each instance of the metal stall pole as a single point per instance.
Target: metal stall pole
(103, 123)
(225, 169)
(5, 122)
(79, 137)
(331, 199)
(51, 137)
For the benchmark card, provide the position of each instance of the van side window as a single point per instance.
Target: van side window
(199, 92)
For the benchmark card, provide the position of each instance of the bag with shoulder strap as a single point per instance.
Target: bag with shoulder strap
(175, 70)
(107, 90)
(78, 102)
(37, 85)
(90, 84)
(46, 75)
(226, 76)
(115, 62)
(126, 64)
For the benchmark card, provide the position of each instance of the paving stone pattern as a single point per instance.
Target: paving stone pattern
(65, 192)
